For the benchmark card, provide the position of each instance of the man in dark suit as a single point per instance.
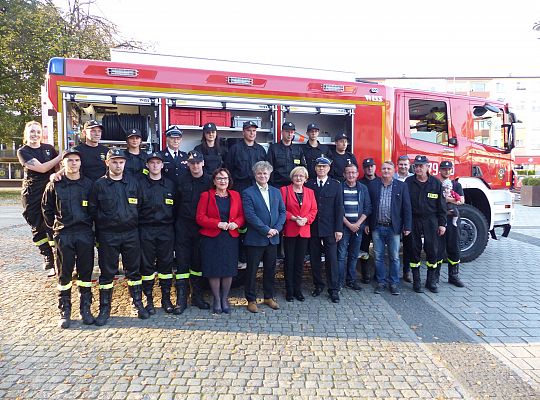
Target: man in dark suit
(327, 229)
(175, 161)
(265, 215)
(391, 215)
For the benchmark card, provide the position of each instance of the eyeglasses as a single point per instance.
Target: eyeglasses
(222, 178)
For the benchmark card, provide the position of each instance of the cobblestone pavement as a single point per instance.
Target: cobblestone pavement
(368, 346)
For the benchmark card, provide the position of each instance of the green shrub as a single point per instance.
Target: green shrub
(522, 172)
(531, 172)
(531, 181)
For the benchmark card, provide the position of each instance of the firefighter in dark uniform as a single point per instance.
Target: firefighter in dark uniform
(39, 161)
(242, 157)
(326, 230)
(156, 232)
(214, 155)
(429, 221)
(114, 206)
(450, 249)
(65, 209)
(341, 157)
(174, 160)
(93, 154)
(135, 158)
(313, 149)
(369, 168)
(284, 156)
(187, 247)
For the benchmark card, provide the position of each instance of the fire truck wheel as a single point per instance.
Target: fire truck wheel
(474, 232)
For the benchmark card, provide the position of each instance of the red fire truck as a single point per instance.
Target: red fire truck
(383, 122)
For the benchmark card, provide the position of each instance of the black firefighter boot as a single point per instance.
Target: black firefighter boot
(105, 298)
(431, 280)
(86, 302)
(48, 259)
(64, 305)
(181, 296)
(364, 269)
(148, 290)
(453, 275)
(136, 295)
(197, 296)
(166, 304)
(417, 282)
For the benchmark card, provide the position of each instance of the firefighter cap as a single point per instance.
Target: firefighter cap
(288, 126)
(323, 160)
(341, 136)
(155, 154)
(248, 124)
(209, 126)
(446, 164)
(173, 131)
(312, 126)
(92, 124)
(368, 162)
(195, 157)
(133, 132)
(420, 160)
(115, 152)
(71, 150)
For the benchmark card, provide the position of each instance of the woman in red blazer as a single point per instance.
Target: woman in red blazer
(220, 215)
(301, 208)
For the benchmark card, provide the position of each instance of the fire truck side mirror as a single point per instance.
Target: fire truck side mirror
(452, 141)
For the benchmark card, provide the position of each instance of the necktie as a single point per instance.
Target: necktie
(320, 183)
(175, 155)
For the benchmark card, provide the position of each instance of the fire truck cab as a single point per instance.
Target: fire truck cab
(382, 122)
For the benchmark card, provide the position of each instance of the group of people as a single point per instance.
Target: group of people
(190, 217)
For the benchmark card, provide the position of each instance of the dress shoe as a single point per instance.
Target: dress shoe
(299, 297)
(252, 307)
(272, 304)
(289, 298)
(316, 292)
(334, 296)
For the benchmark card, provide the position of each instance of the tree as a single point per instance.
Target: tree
(32, 32)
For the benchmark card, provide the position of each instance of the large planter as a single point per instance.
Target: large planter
(530, 196)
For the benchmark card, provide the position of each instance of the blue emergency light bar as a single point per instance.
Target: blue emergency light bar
(57, 66)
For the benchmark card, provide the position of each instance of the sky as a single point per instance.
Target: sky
(371, 39)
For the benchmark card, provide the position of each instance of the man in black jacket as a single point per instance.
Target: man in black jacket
(156, 232)
(313, 149)
(327, 229)
(174, 159)
(188, 257)
(114, 206)
(243, 155)
(284, 156)
(429, 220)
(65, 211)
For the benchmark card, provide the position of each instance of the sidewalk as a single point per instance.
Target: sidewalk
(368, 346)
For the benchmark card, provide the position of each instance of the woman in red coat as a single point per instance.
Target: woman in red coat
(301, 207)
(220, 214)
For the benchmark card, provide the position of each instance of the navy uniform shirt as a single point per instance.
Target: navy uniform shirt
(172, 168)
(93, 160)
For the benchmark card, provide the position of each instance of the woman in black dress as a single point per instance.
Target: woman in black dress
(210, 148)
(220, 215)
(39, 161)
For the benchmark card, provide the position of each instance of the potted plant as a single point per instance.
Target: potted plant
(530, 192)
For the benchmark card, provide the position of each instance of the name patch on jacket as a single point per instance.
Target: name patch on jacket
(169, 201)
(297, 162)
(132, 200)
(85, 203)
(433, 195)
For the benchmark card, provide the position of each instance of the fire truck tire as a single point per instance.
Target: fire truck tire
(474, 232)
